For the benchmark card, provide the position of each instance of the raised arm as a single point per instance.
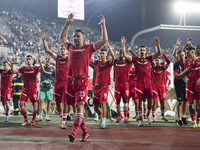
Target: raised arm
(123, 41)
(7, 61)
(178, 43)
(49, 57)
(13, 71)
(46, 48)
(41, 65)
(167, 60)
(104, 37)
(130, 50)
(157, 42)
(64, 33)
(112, 55)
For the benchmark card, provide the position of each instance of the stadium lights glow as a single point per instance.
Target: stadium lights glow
(183, 6)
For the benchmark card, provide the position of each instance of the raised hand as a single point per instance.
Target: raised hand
(128, 48)
(156, 40)
(53, 48)
(178, 42)
(43, 36)
(102, 20)
(87, 41)
(13, 60)
(39, 57)
(189, 41)
(5, 59)
(113, 46)
(123, 40)
(70, 18)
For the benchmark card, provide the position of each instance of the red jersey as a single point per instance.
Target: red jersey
(194, 74)
(167, 76)
(142, 68)
(131, 76)
(61, 67)
(102, 71)
(79, 58)
(29, 76)
(158, 74)
(121, 70)
(6, 79)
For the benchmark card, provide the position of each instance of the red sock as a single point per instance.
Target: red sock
(162, 113)
(148, 112)
(34, 112)
(125, 110)
(77, 122)
(60, 114)
(119, 110)
(140, 115)
(198, 111)
(136, 113)
(192, 112)
(145, 107)
(23, 112)
(83, 126)
(64, 117)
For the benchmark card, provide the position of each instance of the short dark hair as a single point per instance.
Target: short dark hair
(79, 30)
(5, 62)
(103, 49)
(190, 48)
(180, 51)
(142, 46)
(61, 45)
(158, 57)
(29, 56)
(197, 46)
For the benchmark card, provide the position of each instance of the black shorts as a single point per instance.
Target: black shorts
(180, 93)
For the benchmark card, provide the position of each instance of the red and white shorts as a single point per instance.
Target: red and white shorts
(60, 88)
(5, 94)
(121, 90)
(132, 92)
(190, 92)
(77, 89)
(143, 90)
(100, 93)
(159, 92)
(32, 94)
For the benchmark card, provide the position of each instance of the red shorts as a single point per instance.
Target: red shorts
(143, 90)
(60, 88)
(190, 92)
(100, 93)
(159, 92)
(76, 90)
(121, 90)
(197, 93)
(32, 94)
(132, 92)
(5, 95)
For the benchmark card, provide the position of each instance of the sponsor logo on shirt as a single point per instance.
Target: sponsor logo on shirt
(78, 50)
(120, 65)
(142, 63)
(157, 71)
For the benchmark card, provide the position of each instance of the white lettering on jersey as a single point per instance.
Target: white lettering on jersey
(29, 71)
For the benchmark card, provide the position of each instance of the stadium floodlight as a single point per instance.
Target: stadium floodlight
(187, 6)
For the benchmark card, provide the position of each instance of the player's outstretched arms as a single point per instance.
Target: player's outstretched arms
(7, 61)
(46, 48)
(13, 71)
(123, 41)
(178, 43)
(112, 55)
(40, 62)
(157, 42)
(104, 38)
(49, 57)
(63, 35)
